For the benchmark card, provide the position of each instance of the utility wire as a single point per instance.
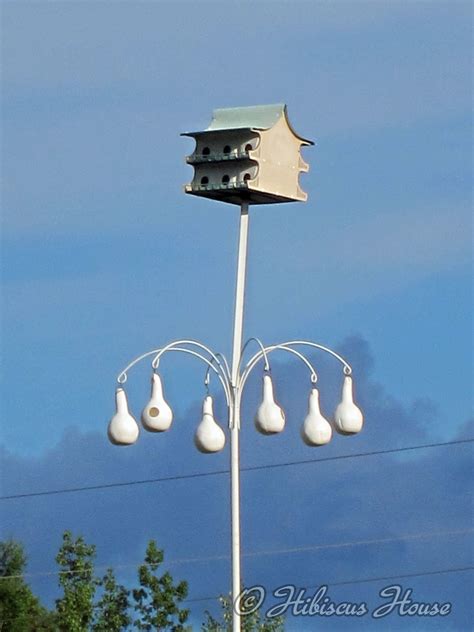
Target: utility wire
(462, 569)
(252, 468)
(264, 552)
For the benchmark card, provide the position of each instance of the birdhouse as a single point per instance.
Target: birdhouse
(248, 154)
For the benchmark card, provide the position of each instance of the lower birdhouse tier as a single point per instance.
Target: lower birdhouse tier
(236, 162)
(231, 180)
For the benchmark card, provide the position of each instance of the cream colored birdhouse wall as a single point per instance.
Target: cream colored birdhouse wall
(280, 162)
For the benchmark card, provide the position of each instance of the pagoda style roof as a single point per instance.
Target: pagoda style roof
(254, 117)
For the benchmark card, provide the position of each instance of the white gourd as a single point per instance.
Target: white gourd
(270, 418)
(209, 436)
(123, 429)
(157, 415)
(348, 417)
(316, 430)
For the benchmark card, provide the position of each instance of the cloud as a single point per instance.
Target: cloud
(332, 502)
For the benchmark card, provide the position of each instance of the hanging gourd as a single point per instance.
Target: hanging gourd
(123, 429)
(316, 430)
(348, 417)
(270, 417)
(157, 415)
(209, 435)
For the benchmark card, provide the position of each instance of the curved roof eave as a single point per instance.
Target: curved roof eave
(306, 141)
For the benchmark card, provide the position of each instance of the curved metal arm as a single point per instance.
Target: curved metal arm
(222, 379)
(347, 367)
(259, 342)
(213, 355)
(253, 361)
(224, 369)
(314, 375)
(225, 365)
(122, 377)
(227, 373)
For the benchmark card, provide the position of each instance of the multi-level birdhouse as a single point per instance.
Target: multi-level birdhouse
(248, 154)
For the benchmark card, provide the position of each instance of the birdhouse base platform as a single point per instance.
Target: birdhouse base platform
(236, 193)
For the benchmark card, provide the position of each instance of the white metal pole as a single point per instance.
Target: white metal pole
(235, 413)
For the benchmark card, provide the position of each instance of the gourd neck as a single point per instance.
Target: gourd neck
(207, 406)
(314, 400)
(121, 401)
(156, 386)
(347, 395)
(267, 388)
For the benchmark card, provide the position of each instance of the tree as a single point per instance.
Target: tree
(76, 607)
(88, 604)
(20, 610)
(250, 622)
(112, 608)
(157, 600)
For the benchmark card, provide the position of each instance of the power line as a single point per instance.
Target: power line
(252, 468)
(461, 569)
(264, 552)
(87, 488)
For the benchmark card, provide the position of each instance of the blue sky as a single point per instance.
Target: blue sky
(104, 257)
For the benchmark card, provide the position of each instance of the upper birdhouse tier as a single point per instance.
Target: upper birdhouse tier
(248, 154)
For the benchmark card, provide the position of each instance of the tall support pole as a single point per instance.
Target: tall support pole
(235, 413)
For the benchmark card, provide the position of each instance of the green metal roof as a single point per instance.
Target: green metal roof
(251, 117)
(258, 116)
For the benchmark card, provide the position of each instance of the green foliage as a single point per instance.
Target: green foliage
(76, 607)
(249, 623)
(88, 604)
(157, 600)
(20, 610)
(112, 608)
